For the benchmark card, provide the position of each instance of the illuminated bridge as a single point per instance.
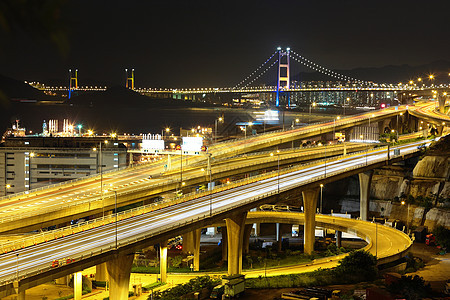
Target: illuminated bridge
(285, 88)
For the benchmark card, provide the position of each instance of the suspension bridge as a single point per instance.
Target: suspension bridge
(276, 76)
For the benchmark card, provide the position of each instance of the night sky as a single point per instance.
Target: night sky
(218, 43)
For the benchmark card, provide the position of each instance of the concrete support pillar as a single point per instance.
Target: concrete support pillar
(247, 231)
(441, 101)
(224, 244)
(310, 204)
(119, 270)
(163, 261)
(188, 242)
(279, 237)
(235, 233)
(257, 227)
(21, 295)
(77, 285)
(338, 238)
(196, 234)
(101, 274)
(365, 179)
(62, 280)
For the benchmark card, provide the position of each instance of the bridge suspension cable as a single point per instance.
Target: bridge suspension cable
(254, 72)
(261, 74)
(306, 62)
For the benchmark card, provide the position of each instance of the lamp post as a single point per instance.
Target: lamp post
(348, 100)
(79, 129)
(278, 155)
(29, 170)
(210, 184)
(167, 132)
(115, 210)
(278, 159)
(401, 114)
(311, 104)
(7, 187)
(321, 188)
(220, 119)
(407, 217)
(181, 167)
(334, 127)
(101, 175)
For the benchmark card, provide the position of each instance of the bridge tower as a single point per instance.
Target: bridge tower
(73, 81)
(129, 83)
(283, 72)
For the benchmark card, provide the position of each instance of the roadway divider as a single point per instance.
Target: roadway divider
(82, 226)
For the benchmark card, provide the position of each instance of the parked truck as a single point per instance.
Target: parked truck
(233, 285)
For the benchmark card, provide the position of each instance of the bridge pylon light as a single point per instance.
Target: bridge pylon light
(129, 83)
(283, 72)
(73, 81)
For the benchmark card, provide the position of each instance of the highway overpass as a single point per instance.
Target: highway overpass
(112, 242)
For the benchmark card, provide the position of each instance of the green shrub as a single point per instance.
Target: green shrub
(442, 236)
(358, 265)
(194, 285)
(410, 287)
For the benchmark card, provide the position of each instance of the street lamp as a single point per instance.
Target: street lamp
(7, 186)
(278, 158)
(79, 129)
(29, 170)
(348, 100)
(115, 210)
(220, 119)
(101, 175)
(401, 114)
(334, 127)
(407, 218)
(314, 105)
(210, 184)
(321, 188)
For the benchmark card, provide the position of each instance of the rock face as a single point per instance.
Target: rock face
(432, 167)
(428, 177)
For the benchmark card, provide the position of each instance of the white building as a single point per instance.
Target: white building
(31, 162)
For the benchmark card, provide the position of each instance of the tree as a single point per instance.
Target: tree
(360, 264)
(442, 235)
(412, 288)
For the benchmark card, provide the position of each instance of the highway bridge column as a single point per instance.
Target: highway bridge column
(224, 244)
(441, 101)
(188, 242)
(62, 280)
(77, 285)
(101, 274)
(163, 261)
(310, 203)
(279, 237)
(338, 238)
(197, 234)
(119, 270)
(21, 295)
(235, 233)
(247, 232)
(365, 178)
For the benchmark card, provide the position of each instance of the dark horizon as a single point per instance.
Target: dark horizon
(183, 44)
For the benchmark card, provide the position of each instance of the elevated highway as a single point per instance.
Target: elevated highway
(136, 179)
(33, 265)
(79, 199)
